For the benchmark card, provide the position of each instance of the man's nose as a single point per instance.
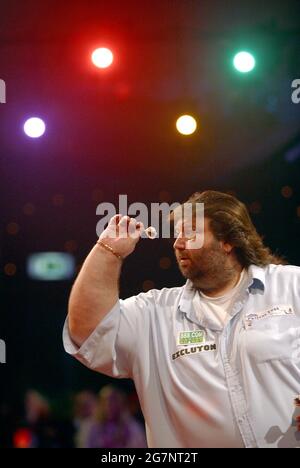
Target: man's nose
(179, 243)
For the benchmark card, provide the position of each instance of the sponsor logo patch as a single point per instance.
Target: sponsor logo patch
(190, 337)
(193, 350)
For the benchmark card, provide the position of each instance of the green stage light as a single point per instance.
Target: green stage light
(244, 62)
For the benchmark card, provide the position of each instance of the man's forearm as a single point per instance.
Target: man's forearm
(94, 293)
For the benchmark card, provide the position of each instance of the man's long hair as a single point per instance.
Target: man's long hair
(231, 222)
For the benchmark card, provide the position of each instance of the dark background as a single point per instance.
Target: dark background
(113, 132)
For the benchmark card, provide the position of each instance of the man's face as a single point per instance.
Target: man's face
(202, 265)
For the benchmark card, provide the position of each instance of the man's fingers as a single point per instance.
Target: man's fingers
(124, 226)
(124, 221)
(140, 226)
(115, 220)
(135, 228)
(112, 229)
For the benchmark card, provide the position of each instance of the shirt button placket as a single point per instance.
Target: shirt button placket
(237, 397)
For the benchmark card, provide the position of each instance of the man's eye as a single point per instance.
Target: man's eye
(190, 236)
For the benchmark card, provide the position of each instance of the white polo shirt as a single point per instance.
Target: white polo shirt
(200, 383)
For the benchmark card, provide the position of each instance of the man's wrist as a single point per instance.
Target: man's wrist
(109, 249)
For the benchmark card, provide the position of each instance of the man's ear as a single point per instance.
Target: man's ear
(227, 247)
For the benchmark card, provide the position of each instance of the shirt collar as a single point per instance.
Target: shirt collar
(257, 279)
(256, 285)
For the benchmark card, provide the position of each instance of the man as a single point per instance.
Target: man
(216, 363)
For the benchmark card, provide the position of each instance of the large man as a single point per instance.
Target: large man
(216, 363)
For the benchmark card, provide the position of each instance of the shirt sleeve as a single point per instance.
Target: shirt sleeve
(112, 347)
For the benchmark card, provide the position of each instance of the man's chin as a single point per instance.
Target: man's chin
(186, 272)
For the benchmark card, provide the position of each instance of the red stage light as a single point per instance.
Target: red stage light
(102, 57)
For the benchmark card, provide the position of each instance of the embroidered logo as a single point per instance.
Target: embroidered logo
(277, 310)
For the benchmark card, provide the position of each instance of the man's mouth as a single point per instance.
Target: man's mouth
(183, 257)
(184, 260)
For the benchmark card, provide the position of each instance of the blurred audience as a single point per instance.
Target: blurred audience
(40, 429)
(110, 420)
(84, 414)
(114, 426)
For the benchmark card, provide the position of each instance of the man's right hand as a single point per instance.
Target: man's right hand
(122, 234)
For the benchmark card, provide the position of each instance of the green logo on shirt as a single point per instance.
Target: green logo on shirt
(191, 337)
